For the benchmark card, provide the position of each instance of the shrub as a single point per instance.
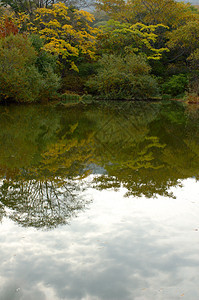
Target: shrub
(75, 81)
(17, 57)
(20, 79)
(69, 97)
(44, 59)
(193, 61)
(71, 81)
(176, 85)
(46, 64)
(86, 69)
(123, 78)
(49, 85)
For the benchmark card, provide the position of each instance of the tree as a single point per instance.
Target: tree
(29, 6)
(193, 61)
(185, 42)
(123, 78)
(26, 6)
(66, 33)
(185, 37)
(20, 79)
(150, 12)
(122, 38)
(167, 12)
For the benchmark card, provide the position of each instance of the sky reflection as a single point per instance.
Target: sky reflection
(120, 248)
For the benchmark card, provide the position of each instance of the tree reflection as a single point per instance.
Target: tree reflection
(41, 188)
(159, 152)
(147, 148)
(42, 203)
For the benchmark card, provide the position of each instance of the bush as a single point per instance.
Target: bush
(71, 81)
(75, 81)
(194, 84)
(123, 78)
(49, 85)
(69, 97)
(20, 79)
(176, 85)
(87, 69)
(193, 60)
(44, 60)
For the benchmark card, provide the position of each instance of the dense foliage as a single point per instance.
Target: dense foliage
(20, 77)
(123, 78)
(66, 33)
(134, 49)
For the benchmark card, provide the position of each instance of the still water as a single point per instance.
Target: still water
(99, 202)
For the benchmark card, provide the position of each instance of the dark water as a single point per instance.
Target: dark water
(99, 202)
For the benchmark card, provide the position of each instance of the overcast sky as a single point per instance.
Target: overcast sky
(193, 1)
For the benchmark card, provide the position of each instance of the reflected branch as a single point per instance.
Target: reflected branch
(42, 204)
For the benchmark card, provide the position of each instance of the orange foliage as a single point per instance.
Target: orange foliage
(7, 27)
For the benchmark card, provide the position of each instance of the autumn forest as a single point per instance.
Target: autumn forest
(114, 49)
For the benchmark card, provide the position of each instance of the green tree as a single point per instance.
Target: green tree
(122, 38)
(185, 38)
(20, 78)
(123, 78)
(175, 85)
(184, 44)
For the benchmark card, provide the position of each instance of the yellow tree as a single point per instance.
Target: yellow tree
(66, 32)
(124, 38)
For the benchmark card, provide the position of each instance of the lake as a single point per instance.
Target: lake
(99, 201)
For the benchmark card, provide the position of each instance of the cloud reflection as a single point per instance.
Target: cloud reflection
(122, 248)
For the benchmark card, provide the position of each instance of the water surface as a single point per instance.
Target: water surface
(99, 202)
